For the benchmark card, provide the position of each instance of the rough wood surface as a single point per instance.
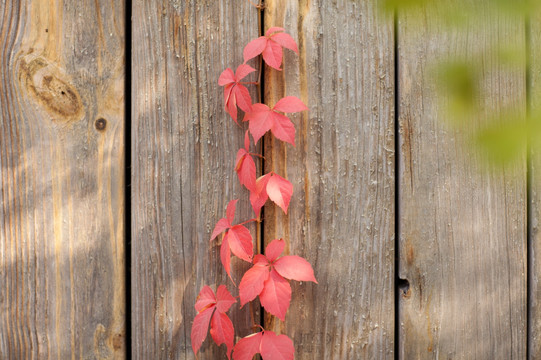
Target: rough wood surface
(462, 227)
(183, 152)
(341, 216)
(535, 191)
(62, 180)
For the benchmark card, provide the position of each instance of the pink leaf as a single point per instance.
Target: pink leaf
(224, 299)
(276, 295)
(286, 41)
(205, 298)
(261, 259)
(283, 128)
(234, 92)
(227, 94)
(280, 191)
(295, 268)
(273, 55)
(259, 197)
(276, 347)
(274, 249)
(246, 141)
(242, 97)
(260, 120)
(242, 71)
(222, 331)
(247, 347)
(254, 48)
(231, 105)
(225, 256)
(222, 225)
(240, 241)
(290, 104)
(230, 210)
(199, 328)
(272, 30)
(245, 168)
(252, 282)
(226, 77)
(240, 157)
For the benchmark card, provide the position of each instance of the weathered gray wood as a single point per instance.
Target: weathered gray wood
(462, 227)
(62, 180)
(183, 152)
(341, 216)
(535, 190)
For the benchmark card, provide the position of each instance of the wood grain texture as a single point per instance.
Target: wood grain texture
(62, 291)
(462, 228)
(341, 216)
(535, 191)
(183, 153)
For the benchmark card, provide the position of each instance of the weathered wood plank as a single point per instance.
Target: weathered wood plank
(341, 216)
(62, 179)
(184, 147)
(462, 228)
(535, 191)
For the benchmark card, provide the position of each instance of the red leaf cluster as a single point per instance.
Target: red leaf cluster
(266, 343)
(270, 46)
(221, 327)
(269, 276)
(272, 186)
(234, 92)
(262, 119)
(237, 238)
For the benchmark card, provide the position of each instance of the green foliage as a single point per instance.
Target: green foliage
(465, 78)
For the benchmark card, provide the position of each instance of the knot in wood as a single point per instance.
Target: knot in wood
(100, 124)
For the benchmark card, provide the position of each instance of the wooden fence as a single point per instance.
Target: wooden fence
(116, 162)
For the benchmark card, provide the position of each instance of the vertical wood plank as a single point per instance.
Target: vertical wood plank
(341, 216)
(535, 189)
(462, 228)
(183, 152)
(62, 180)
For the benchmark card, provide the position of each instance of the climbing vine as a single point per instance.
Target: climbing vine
(269, 276)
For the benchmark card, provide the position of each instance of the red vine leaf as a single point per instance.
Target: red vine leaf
(276, 295)
(274, 249)
(274, 186)
(222, 331)
(290, 104)
(224, 299)
(205, 298)
(230, 210)
(267, 279)
(276, 347)
(262, 119)
(280, 191)
(245, 165)
(247, 347)
(252, 282)
(225, 223)
(237, 239)
(240, 242)
(222, 225)
(295, 268)
(266, 343)
(270, 46)
(259, 196)
(200, 328)
(225, 257)
(221, 327)
(234, 92)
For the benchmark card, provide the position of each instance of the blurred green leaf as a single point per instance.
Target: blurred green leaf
(458, 84)
(504, 139)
